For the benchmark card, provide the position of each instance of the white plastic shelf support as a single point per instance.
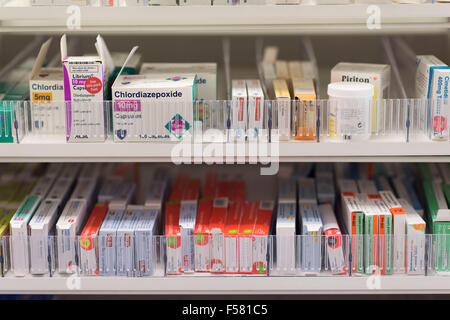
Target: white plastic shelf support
(304, 19)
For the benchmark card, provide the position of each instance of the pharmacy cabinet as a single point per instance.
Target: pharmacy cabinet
(256, 95)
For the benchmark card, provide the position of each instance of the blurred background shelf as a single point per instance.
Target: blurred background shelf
(236, 20)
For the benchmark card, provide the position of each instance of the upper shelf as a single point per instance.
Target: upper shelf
(294, 19)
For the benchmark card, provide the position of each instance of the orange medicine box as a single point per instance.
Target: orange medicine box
(202, 232)
(88, 240)
(173, 234)
(305, 96)
(261, 237)
(231, 239)
(245, 239)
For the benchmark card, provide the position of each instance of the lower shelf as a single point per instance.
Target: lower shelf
(227, 285)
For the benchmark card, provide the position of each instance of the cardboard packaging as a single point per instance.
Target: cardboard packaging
(145, 242)
(285, 227)
(325, 190)
(399, 230)
(42, 231)
(217, 226)
(415, 239)
(353, 217)
(261, 232)
(379, 75)
(153, 107)
(126, 241)
(116, 191)
(206, 75)
(231, 232)
(334, 243)
(282, 69)
(19, 235)
(172, 227)
(84, 79)
(305, 94)
(432, 81)
(246, 229)
(67, 228)
(48, 110)
(89, 240)
(256, 109)
(239, 101)
(283, 99)
(188, 214)
(107, 240)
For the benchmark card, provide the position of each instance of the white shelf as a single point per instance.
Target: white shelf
(227, 285)
(294, 19)
(374, 150)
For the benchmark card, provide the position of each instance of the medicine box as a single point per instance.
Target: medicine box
(239, 100)
(245, 232)
(231, 239)
(285, 227)
(310, 241)
(432, 81)
(263, 225)
(153, 107)
(89, 241)
(48, 109)
(334, 243)
(415, 239)
(145, 242)
(19, 235)
(206, 75)
(126, 241)
(353, 217)
(202, 232)
(41, 226)
(256, 109)
(398, 229)
(107, 240)
(83, 93)
(67, 228)
(217, 227)
(283, 105)
(305, 94)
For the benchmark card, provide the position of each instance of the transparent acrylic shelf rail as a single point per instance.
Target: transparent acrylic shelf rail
(226, 255)
(224, 121)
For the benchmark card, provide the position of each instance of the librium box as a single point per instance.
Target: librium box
(48, 110)
(84, 93)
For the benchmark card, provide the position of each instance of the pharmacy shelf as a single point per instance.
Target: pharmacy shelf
(300, 19)
(227, 285)
(373, 150)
